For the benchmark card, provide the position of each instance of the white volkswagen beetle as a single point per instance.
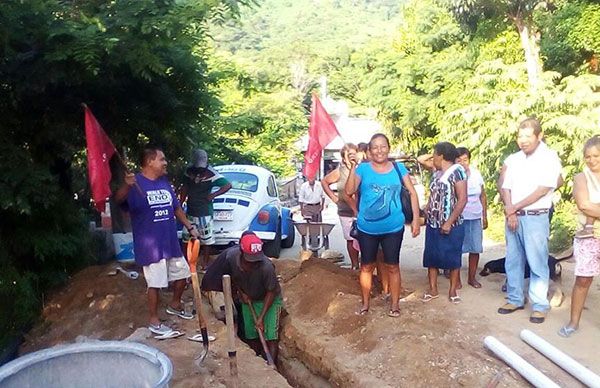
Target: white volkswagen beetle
(252, 204)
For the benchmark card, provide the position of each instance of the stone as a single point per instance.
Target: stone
(139, 335)
(331, 254)
(557, 298)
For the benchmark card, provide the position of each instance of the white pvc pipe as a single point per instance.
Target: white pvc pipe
(561, 359)
(528, 371)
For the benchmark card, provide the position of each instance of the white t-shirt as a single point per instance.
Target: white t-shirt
(310, 195)
(474, 208)
(524, 174)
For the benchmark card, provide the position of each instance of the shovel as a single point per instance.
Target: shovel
(233, 370)
(193, 250)
(261, 336)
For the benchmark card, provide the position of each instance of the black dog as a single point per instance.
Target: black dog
(497, 266)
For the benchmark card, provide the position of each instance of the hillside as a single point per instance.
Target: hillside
(280, 31)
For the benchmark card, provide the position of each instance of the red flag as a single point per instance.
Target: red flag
(321, 132)
(99, 151)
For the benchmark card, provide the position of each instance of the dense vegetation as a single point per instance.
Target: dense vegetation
(142, 68)
(235, 77)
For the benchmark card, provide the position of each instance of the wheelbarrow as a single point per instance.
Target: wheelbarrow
(315, 235)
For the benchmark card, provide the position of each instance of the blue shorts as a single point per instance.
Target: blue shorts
(473, 242)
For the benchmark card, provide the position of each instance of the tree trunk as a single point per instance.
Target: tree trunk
(531, 47)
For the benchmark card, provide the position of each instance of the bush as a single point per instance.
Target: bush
(43, 238)
(563, 226)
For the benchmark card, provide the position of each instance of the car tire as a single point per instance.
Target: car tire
(288, 242)
(272, 248)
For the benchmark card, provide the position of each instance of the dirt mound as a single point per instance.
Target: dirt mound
(94, 305)
(319, 282)
(428, 345)
(97, 306)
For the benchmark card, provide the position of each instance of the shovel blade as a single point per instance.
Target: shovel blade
(202, 355)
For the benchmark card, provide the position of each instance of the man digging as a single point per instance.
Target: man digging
(254, 278)
(153, 206)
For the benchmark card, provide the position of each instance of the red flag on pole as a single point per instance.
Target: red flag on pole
(321, 132)
(99, 151)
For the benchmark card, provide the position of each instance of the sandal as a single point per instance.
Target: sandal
(566, 331)
(455, 299)
(171, 334)
(362, 311)
(198, 338)
(428, 297)
(394, 313)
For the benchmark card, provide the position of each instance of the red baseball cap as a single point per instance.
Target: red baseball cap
(251, 246)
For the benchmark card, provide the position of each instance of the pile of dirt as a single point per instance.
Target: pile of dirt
(428, 345)
(97, 306)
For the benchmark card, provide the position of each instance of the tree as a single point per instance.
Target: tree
(520, 12)
(140, 65)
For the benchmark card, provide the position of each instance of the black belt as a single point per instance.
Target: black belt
(313, 204)
(535, 212)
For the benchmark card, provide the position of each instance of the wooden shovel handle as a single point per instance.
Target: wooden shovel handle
(193, 251)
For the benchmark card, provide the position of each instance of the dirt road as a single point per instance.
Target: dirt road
(442, 342)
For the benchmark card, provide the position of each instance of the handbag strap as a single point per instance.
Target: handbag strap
(399, 174)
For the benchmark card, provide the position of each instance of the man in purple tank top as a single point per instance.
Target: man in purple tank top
(153, 206)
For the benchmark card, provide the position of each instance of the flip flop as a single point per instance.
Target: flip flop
(394, 313)
(455, 299)
(566, 331)
(198, 338)
(362, 311)
(171, 334)
(428, 297)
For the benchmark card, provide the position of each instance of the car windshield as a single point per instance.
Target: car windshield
(242, 180)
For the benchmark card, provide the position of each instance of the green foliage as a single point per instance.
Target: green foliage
(260, 120)
(140, 65)
(563, 227)
(570, 36)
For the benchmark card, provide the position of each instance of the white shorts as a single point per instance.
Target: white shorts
(346, 223)
(158, 275)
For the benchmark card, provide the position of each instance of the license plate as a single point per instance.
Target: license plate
(223, 215)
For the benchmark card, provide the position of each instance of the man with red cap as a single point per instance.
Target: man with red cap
(254, 278)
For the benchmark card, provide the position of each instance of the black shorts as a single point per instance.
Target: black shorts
(390, 244)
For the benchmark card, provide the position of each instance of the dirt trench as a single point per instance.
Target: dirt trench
(323, 343)
(426, 346)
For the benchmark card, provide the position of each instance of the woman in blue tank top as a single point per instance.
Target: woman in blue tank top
(380, 220)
